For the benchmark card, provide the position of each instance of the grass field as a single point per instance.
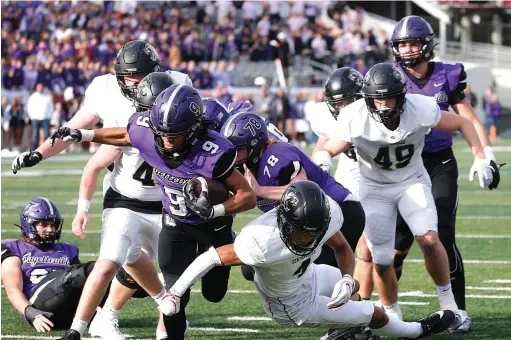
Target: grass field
(484, 238)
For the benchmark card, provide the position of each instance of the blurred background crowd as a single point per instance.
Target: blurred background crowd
(52, 50)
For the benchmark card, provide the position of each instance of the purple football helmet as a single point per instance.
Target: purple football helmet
(177, 111)
(238, 106)
(40, 209)
(409, 29)
(215, 114)
(247, 130)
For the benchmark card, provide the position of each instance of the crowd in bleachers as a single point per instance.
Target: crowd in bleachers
(54, 49)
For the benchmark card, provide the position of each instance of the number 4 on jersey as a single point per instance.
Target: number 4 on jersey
(144, 175)
(403, 153)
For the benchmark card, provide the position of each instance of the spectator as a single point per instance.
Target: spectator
(301, 125)
(319, 47)
(15, 114)
(493, 113)
(40, 110)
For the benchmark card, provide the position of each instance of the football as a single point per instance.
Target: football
(218, 193)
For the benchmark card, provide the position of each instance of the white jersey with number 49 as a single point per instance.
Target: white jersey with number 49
(131, 177)
(387, 156)
(278, 272)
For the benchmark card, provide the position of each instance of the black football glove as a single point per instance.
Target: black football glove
(26, 159)
(198, 204)
(66, 134)
(496, 174)
(32, 313)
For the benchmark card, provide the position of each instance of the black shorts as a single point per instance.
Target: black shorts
(180, 244)
(59, 293)
(443, 170)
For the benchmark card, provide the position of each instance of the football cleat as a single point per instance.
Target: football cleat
(462, 323)
(436, 323)
(105, 328)
(71, 335)
(352, 333)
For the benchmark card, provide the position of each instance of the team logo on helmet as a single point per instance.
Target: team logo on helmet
(353, 76)
(398, 74)
(291, 201)
(143, 88)
(151, 52)
(195, 108)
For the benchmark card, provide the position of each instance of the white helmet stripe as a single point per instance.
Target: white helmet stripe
(403, 32)
(168, 104)
(50, 206)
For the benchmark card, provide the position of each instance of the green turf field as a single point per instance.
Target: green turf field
(484, 238)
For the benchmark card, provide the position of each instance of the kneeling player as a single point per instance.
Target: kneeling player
(281, 245)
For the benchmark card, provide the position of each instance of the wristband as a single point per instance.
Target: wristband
(488, 153)
(87, 135)
(218, 210)
(83, 205)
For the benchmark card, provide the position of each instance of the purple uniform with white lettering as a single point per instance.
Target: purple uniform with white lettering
(36, 263)
(446, 82)
(281, 162)
(212, 156)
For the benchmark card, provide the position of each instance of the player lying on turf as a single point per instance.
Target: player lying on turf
(282, 245)
(173, 140)
(43, 278)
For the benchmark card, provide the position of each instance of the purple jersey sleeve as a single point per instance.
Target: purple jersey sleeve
(281, 162)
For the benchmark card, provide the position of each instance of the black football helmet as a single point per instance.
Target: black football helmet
(342, 88)
(135, 57)
(384, 80)
(149, 88)
(303, 210)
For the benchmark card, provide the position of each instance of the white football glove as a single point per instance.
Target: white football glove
(323, 160)
(484, 171)
(343, 290)
(170, 304)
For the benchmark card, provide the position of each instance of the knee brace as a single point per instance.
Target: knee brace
(127, 281)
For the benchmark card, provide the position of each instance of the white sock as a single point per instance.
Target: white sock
(446, 298)
(397, 328)
(158, 297)
(160, 334)
(109, 312)
(79, 325)
(394, 310)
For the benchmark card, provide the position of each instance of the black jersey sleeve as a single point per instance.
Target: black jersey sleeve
(225, 165)
(6, 252)
(288, 172)
(458, 94)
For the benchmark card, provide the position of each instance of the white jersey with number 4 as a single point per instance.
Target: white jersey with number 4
(324, 125)
(387, 156)
(131, 177)
(278, 272)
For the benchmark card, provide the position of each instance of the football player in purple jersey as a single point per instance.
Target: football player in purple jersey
(413, 48)
(43, 278)
(182, 149)
(215, 114)
(271, 167)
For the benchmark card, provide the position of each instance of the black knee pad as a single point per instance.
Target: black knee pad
(214, 284)
(248, 272)
(399, 259)
(354, 222)
(127, 281)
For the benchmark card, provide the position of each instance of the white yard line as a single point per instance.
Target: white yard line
(497, 281)
(249, 318)
(505, 289)
(235, 330)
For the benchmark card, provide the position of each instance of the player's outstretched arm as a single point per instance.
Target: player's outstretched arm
(464, 109)
(27, 159)
(321, 157)
(271, 192)
(105, 156)
(223, 256)
(481, 166)
(112, 136)
(335, 146)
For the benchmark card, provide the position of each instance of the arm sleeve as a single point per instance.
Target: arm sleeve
(248, 249)
(288, 172)
(457, 94)
(224, 167)
(6, 252)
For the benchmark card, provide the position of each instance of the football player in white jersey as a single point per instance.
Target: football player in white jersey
(282, 245)
(387, 129)
(109, 99)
